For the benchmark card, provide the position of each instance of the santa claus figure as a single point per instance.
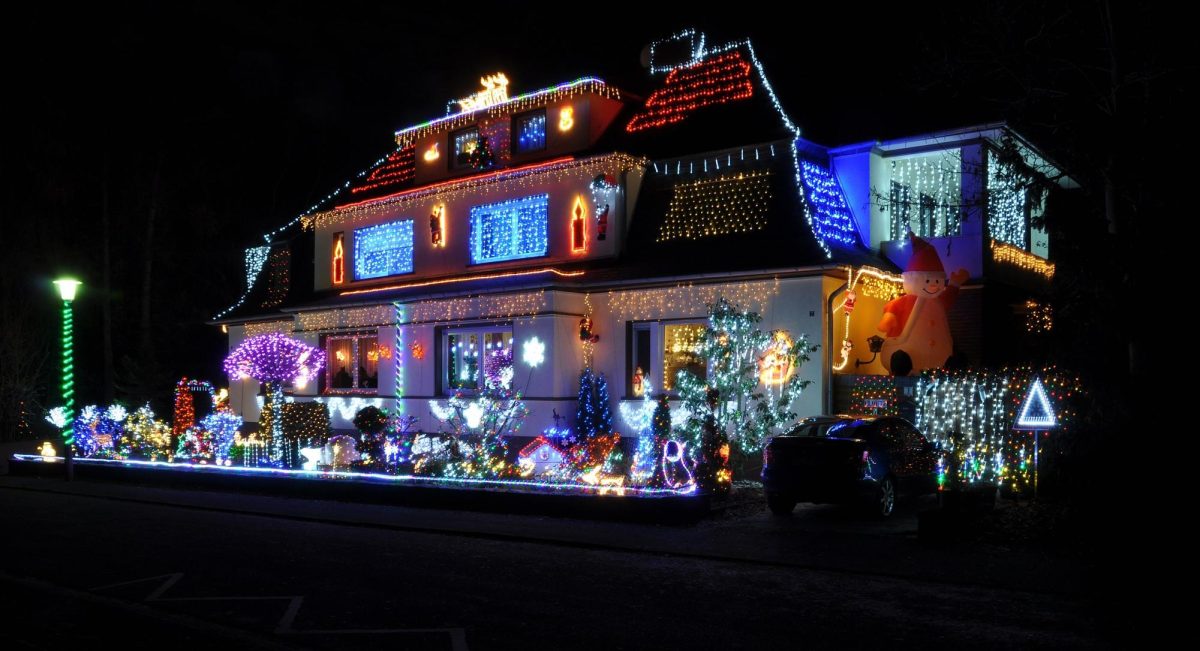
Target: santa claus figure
(918, 334)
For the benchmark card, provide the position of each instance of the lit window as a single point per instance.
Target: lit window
(531, 132)
(467, 350)
(681, 352)
(383, 250)
(510, 230)
(353, 364)
(463, 145)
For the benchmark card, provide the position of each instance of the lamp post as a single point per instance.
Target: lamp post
(66, 289)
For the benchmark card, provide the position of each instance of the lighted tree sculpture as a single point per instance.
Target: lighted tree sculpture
(754, 374)
(274, 359)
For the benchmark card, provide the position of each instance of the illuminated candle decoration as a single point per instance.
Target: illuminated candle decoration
(531, 132)
(732, 203)
(338, 273)
(396, 170)
(437, 226)
(383, 250)
(510, 230)
(432, 153)
(579, 227)
(719, 80)
(566, 118)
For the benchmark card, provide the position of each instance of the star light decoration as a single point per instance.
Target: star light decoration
(533, 352)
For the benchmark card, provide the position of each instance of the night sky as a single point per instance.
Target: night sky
(246, 116)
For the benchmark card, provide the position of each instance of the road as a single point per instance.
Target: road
(133, 565)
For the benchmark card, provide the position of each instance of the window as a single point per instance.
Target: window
(462, 145)
(352, 363)
(383, 250)
(925, 194)
(466, 351)
(641, 359)
(681, 352)
(510, 230)
(531, 132)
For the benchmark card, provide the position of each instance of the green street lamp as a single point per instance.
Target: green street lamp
(67, 288)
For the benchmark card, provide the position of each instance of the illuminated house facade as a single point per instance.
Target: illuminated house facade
(517, 217)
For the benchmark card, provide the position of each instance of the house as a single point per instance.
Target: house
(599, 222)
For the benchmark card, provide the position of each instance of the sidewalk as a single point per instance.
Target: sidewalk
(818, 538)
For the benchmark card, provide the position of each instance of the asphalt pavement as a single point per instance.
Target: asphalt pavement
(141, 566)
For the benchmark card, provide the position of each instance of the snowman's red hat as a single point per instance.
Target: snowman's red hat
(924, 256)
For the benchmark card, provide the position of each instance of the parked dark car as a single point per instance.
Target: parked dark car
(848, 459)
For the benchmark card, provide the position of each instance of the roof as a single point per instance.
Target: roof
(697, 128)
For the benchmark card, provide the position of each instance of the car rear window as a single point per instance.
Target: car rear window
(838, 428)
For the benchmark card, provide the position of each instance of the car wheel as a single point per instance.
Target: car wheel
(780, 504)
(885, 497)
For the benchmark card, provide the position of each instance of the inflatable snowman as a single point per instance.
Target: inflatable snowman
(918, 334)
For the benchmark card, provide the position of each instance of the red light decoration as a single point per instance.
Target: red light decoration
(579, 227)
(418, 351)
(437, 226)
(719, 80)
(462, 279)
(185, 408)
(398, 168)
(339, 258)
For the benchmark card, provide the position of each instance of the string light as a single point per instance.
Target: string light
(515, 485)
(1039, 317)
(585, 85)
(398, 168)
(1009, 254)
(696, 46)
(685, 298)
(736, 203)
(722, 161)
(531, 132)
(510, 230)
(718, 80)
(267, 237)
(383, 250)
(971, 415)
(926, 188)
(479, 306)
(279, 276)
(1037, 412)
(1007, 204)
(876, 395)
(831, 219)
(875, 283)
(445, 281)
(516, 179)
(398, 318)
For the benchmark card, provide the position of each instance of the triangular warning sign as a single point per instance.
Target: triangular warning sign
(1036, 412)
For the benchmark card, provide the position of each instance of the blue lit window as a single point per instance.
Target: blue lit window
(383, 250)
(531, 132)
(510, 230)
(464, 143)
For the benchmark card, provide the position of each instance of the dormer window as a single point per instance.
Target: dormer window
(462, 145)
(530, 130)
